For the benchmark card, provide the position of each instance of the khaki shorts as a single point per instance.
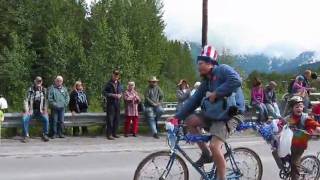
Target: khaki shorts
(220, 129)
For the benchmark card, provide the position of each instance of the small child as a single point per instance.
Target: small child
(299, 122)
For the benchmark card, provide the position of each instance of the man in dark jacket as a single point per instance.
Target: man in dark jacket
(113, 94)
(36, 106)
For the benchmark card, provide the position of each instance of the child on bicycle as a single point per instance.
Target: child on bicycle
(299, 122)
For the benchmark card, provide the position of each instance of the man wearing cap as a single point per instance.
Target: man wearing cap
(153, 105)
(220, 101)
(270, 99)
(59, 98)
(36, 106)
(113, 94)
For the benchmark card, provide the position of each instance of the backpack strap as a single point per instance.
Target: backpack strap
(303, 120)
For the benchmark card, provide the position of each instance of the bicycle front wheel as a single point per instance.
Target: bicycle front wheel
(244, 164)
(310, 168)
(155, 167)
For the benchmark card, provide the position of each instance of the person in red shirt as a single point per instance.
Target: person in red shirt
(316, 112)
(302, 125)
(132, 100)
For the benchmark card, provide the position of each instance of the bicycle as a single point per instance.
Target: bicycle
(242, 163)
(310, 164)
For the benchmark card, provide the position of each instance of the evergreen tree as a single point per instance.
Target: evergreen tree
(15, 70)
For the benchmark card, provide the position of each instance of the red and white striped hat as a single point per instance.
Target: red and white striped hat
(208, 54)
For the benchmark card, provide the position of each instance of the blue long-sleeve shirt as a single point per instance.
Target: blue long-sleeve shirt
(224, 81)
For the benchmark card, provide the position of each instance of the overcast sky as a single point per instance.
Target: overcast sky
(274, 27)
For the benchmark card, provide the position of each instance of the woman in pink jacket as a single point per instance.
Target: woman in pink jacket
(257, 100)
(132, 100)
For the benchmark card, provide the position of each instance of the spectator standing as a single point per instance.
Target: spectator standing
(58, 100)
(132, 100)
(113, 94)
(183, 93)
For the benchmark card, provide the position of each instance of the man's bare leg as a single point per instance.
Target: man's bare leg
(218, 157)
(193, 123)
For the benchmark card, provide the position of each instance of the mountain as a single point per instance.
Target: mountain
(264, 63)
(258, 62)
(195, 49)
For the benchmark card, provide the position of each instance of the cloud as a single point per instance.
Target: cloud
(274, 27)
(282, 28)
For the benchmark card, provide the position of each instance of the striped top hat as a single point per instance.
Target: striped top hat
(208, 54)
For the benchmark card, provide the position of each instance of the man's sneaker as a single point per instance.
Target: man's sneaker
(205, 158)
(116, 136)
(156, 136)
(110, 138)
(25, 139)
(45, 138)
(61, 136)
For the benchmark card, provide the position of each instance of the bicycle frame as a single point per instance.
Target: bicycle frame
(205, 175)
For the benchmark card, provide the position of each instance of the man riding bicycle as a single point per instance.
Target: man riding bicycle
(297, 121)
(221, 99)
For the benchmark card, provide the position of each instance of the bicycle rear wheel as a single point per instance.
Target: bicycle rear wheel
(154, 167)
(247, 162)
(310, 167)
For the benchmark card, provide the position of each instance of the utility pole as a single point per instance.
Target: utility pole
(204, 22)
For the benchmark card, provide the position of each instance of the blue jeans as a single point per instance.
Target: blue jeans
(26, 119)
(57, 121)
(263, 111)
(273, 109)
(153, 115)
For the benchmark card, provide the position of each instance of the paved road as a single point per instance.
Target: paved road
(99, 159)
